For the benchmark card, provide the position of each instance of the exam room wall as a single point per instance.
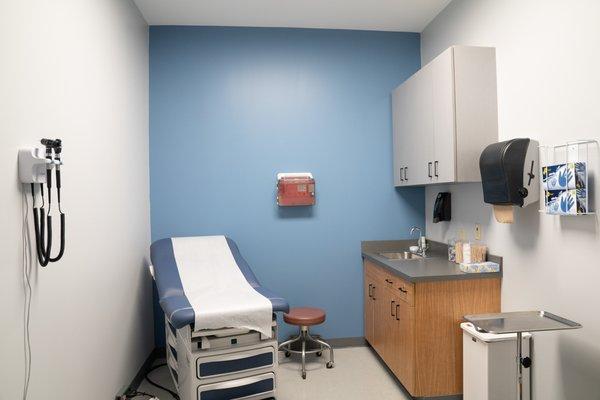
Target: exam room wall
(78, 70)
(231, 107)
(549, 90)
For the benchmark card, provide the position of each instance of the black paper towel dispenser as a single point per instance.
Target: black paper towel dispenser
(510, 173)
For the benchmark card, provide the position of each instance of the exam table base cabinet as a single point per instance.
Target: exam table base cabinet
(222, 364)
(415, 327)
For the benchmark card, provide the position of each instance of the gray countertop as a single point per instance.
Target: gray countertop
(435, 267)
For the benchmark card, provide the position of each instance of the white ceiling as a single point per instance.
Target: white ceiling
(381, 15)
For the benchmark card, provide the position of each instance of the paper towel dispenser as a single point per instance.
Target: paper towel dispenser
(509, 173)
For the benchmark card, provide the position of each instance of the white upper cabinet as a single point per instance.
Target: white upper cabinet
(444, 116)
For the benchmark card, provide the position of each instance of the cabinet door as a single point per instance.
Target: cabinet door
(389, 324)
(404, 345)
(420, 144)
(368, 283)
(378, 331)
(403, 116)
(398, 126)
(413, 129)
(444, 142)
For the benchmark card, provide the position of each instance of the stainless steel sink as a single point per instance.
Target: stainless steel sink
(403, 255)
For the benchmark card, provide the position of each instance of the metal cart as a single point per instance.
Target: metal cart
(519, 322)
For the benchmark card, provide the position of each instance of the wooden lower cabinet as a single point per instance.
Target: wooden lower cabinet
(369, 308)
(403, 348)
(415, 327)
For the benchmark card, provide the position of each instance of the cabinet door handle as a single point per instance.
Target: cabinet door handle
(370, 286)
(402, 290)
(401, 178)
(392, 308)
(405, 177)
(429, 169)
(397, 305)
(389, 281)
(373, 293)
(435, 168)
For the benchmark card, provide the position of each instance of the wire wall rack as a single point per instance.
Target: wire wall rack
(567, 175)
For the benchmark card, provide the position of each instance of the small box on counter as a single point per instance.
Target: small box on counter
(480, 267)
(565, 176)
(567, 202)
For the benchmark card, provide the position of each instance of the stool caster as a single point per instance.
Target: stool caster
(329, 364)
(304, 375)
(287, 354)
(319, 353)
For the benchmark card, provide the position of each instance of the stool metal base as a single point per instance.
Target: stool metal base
(304, 338)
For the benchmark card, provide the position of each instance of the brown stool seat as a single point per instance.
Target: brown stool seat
(305, 316)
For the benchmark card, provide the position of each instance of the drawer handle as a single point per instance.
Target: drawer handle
(392, 308)
(370, 287)
(389, 281)
(401, 178)
(373, 293)
(435, 168)
(402, 290)
(397, 305)
(405, 177)
(429, 169)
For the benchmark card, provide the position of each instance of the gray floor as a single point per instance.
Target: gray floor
(358, 374)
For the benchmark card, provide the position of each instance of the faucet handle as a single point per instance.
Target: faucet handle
(416, 228)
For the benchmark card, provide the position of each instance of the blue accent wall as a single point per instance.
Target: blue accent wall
(231, 107)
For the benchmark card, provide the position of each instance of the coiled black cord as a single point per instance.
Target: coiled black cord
(150, 381)
(42, 249)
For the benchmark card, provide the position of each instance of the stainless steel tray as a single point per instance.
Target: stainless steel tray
(520, 321)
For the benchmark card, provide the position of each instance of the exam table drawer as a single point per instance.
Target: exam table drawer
(232, 363)
(252, 387)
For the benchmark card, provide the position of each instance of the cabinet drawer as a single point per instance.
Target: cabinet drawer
(373, 270)
(377, 272)
(401, 288)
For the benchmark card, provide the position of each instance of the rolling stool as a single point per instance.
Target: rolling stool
(305, 317)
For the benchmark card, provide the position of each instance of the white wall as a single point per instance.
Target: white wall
(548, 64)
(78, 70)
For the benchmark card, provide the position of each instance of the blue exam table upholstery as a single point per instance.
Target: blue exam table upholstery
(170, 290)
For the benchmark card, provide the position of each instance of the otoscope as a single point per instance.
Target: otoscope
(44, 240)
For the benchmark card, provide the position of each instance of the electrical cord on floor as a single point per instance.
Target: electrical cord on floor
(134, 394)
(27, 266)
(150, 381)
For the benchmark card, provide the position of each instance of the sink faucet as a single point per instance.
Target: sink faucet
(422, 243)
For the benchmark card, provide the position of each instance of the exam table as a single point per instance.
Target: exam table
(198, 286)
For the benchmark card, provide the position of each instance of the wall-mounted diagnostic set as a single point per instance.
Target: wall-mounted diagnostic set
(35, 169)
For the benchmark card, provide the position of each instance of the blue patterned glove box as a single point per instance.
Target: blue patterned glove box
(565, 176)
(567, 202)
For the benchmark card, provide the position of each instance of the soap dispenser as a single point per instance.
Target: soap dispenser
(442, 207)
